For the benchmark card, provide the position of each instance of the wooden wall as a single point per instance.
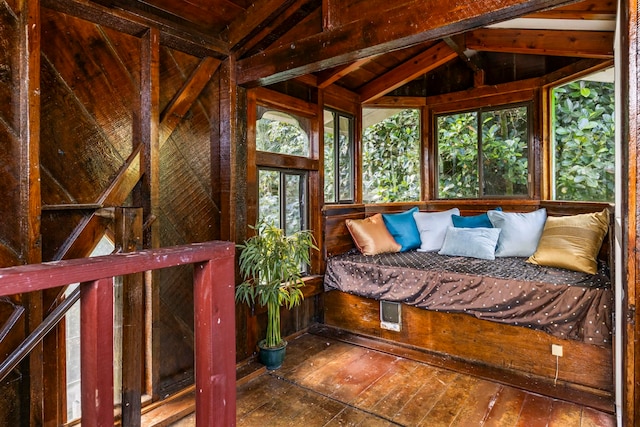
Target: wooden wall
(105, 94)
(15, 162)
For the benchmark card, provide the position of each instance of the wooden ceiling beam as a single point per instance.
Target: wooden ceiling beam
(582, 44)
(457, 43)
(420, 64)
(136, 23)
(186, 96)
(269, 33)
(328, 77)
(585, 10)
(402, 26)
(253, 20)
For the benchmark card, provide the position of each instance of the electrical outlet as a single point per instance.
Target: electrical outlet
(556, 350)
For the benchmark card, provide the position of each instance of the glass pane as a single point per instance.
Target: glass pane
(457, 155)
(283, 133)
(583, 138)
(293, 203)
(329, 159)
(391, 155)
(346, 159)
(269, 196)
(505, 164)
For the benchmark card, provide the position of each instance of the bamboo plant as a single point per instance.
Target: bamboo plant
(271, 265)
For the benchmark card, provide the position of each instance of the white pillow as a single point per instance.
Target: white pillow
(477, 242)
(520, 231)
(433, 228)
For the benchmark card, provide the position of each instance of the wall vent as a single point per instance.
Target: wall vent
(390, 316)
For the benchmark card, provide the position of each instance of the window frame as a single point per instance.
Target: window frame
(479, 107)
(550, 191)
(272, 99)
(337, 114)
(304, 190)
(422, 154)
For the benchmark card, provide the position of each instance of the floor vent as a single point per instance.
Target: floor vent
(390, 316)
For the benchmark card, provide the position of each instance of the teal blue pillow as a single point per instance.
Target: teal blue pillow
(475, 221)
(403, 228)
(471, 242)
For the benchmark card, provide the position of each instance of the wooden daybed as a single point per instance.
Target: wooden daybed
(514, 354)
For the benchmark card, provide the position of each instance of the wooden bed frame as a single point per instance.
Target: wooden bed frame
(518, 355)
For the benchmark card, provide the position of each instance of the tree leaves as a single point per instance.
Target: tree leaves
(391, 159)
(584, 141)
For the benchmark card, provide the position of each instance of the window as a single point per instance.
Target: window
(390, 155)
(283, 198)
(583, 139)
(283, 138)
(483, 153)
(338, 156)
(282, 133)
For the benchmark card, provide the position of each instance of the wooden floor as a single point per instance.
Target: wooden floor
(325, 382)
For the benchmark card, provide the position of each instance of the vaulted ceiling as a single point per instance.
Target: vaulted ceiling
(351, 44)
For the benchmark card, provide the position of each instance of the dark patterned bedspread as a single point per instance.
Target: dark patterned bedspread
(560, 302)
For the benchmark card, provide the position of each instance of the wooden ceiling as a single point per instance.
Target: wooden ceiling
(354, 45)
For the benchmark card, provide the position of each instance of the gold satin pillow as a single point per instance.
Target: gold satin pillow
(572, 242)
(371, 235)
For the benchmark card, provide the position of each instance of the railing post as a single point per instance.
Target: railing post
(215, 346)
(96, 352)
(128, 238)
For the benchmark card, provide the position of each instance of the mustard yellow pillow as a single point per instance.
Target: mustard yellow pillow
(371, 235)
(572, 242)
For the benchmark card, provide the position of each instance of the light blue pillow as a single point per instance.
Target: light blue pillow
(520, 231)
(432, 227)
(475, 221)
(403, 228)
(479, 242)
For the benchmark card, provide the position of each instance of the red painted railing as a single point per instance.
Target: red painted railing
(214, 323)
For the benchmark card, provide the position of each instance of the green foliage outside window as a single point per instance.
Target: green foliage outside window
(584, 145)
(282, 193)
(505, 152)
(391, 159)
(283, 133)
(502, 144)
(458, 155)
(338, 123)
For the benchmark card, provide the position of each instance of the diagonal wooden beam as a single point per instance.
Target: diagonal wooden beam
(297, 13)
(258, 15)
(93, 225)
(582, 44)
(422, 63)
(184, 99)
(328, 77)
(457, 43)
(410, 23)
(124, 17)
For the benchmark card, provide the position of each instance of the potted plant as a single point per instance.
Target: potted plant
(271, 265)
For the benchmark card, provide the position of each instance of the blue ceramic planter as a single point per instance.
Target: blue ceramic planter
(271, 357)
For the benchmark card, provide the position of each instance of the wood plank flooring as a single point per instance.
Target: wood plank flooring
(325, 382)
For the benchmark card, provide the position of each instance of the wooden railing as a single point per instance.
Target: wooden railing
(214, 321)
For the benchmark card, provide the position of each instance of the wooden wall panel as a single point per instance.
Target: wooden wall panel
(175, 67)
(75, 152)
(188, 214)
(90, 78)
(89, 65)
(9, 143)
